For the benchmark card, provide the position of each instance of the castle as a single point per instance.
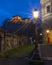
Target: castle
(10, 34)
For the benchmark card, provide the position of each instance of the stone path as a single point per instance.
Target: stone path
(13, 61)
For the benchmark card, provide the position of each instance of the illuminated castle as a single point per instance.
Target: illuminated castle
(19, 19)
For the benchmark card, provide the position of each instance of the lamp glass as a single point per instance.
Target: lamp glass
(35, 14)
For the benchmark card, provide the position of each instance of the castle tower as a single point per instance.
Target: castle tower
(46, 6)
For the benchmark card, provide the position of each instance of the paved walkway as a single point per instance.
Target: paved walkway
(13, 61)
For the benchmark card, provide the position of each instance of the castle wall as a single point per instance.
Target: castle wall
(9, 41)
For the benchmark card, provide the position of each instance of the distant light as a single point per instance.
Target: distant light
(19, 18)
(40, 33)
(35, 14)
(47, 31)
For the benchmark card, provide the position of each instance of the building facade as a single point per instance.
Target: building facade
(47, 20)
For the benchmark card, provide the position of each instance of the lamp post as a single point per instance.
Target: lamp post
(48, 38)
(36, 16)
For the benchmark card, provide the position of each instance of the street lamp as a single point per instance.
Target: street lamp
(48, 38)
(36, 16)
(47, 31)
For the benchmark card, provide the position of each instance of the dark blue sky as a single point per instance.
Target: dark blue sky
(9, 8)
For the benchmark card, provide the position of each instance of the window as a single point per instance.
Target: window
(48, 9)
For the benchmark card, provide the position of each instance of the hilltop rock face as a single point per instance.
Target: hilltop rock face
(22, 28)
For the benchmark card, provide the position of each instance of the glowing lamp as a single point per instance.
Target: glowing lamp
(35, 14)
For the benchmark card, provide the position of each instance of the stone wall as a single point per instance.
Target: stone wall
(1, 40)
(9, 41)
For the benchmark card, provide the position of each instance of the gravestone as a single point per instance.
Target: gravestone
(45, 52)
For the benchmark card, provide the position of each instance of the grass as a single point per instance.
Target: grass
(17, 52)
